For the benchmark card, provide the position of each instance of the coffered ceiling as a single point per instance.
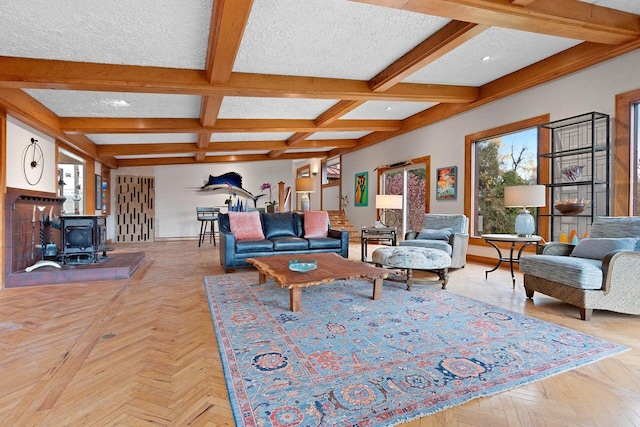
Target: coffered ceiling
(151, 82)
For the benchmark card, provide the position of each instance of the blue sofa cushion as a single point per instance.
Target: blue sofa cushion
(582, 273)
(324, 243)
(597, 248)
(289, 244)
(435, 234)
(247, 246)
(280, 224)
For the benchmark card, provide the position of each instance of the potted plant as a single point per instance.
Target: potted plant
(271, 204)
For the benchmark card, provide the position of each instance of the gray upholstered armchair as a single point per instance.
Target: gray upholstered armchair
(447, 232)
(602, 272)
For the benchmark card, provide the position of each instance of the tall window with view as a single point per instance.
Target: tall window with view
(502, 161)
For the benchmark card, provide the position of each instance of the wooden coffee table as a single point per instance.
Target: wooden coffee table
(331, 267)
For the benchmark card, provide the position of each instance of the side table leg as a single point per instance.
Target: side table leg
(513, 277)
(500, 258)
(295, 299)
(262, 278)
(363, 249)
(377, 289)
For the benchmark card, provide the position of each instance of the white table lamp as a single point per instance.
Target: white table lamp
(523, 196)
(388, 202)
(305, 186)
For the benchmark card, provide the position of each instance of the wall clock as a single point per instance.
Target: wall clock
(32, 162)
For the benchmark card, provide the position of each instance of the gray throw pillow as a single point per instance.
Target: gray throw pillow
(435, 234)
(597, 248)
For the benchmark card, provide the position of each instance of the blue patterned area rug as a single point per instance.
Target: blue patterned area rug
(347, 360)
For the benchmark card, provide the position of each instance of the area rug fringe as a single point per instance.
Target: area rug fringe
(348, 360)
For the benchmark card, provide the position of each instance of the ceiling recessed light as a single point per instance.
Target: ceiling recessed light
(487, 59)
(116, 103)
(388, 108)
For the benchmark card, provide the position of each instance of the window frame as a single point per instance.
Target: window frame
(625, 150)
(470, 205)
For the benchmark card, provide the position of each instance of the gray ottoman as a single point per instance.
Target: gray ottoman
(411, 258)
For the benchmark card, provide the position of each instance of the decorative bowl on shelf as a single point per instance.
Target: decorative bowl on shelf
(571, 206)
(303, 265)
(573, 173)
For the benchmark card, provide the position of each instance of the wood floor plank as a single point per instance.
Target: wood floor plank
(143, 352)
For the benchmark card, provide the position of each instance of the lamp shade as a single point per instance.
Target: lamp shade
(388, 201)
(521, 196)
(305, 185)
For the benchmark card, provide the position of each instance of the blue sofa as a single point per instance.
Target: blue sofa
(284, 234)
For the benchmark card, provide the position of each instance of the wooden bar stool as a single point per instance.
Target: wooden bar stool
(207, 217)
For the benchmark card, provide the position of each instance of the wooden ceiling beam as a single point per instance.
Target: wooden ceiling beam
(28, 73)
(228, 21)
(87, 125)
(211, 159)
(562, 18)
(564, 63)
(336, 111)
(442, 42)
(189, 147)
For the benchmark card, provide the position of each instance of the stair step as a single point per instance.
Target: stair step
(339, 221)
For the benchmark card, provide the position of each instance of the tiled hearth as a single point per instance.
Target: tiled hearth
(114, 267)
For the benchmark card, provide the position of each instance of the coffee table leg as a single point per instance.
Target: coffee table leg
(377, 289)
(295, 299)
(262, 278)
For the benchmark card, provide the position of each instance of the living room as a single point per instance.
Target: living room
(159, 318)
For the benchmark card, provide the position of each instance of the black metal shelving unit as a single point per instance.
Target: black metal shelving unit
(577, 142)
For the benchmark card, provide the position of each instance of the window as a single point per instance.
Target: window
(331, 171)
(412, 182)
(499, 158)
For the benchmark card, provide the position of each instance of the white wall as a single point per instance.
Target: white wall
(593, 89)
(18, 138)
(177, 195)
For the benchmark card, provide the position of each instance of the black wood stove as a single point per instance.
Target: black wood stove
(83, 237)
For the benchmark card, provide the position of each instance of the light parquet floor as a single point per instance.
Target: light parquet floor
(142, 352)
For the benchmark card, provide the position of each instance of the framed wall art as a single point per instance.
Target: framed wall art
(361, 189)
(447, 183)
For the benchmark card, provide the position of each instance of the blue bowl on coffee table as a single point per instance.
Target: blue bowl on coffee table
(302, 265)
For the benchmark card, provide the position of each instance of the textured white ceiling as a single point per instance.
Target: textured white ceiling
(328, 38)
(141, 138)
(72, 103)
(510, 50)
(164, 33)
(338, 135)
(273, 108)
(251, 136)
(632, 6)
(386, 110)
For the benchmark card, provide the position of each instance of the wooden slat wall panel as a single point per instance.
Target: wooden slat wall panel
(135, 210)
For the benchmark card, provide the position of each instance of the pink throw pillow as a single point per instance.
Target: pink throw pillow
(246, 225)
(316, 224)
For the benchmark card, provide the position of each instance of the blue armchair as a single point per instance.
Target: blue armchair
(602, 272)
(447, 232)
